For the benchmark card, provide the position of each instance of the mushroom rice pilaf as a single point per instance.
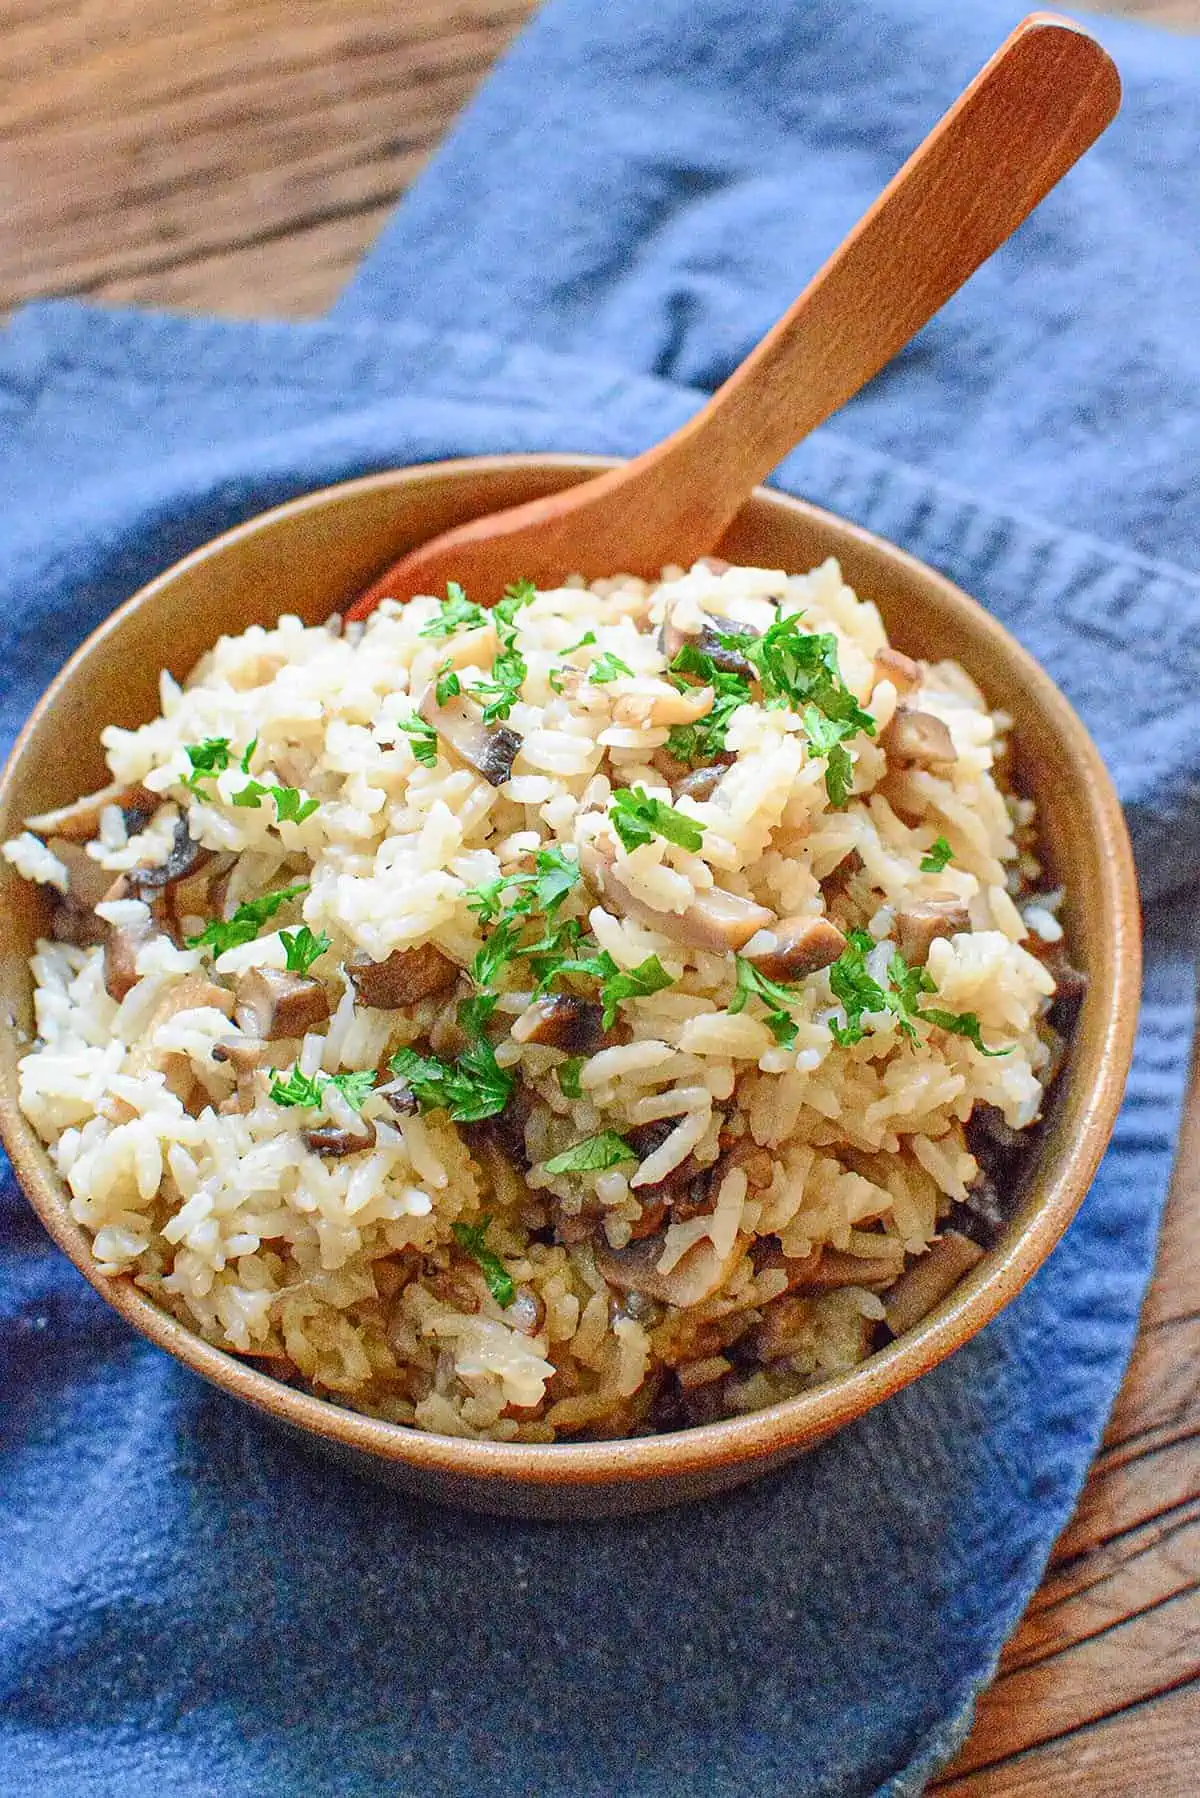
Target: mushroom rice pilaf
(611, 1011)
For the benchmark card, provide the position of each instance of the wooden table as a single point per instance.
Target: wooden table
(238, 156)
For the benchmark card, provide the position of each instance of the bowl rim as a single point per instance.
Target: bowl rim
(730, 1443)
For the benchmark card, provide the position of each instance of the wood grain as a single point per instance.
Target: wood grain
(238, 156)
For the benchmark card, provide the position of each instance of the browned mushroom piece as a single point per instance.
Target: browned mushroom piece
(918, 739)
(786, 1328)
(527, 1313)
(123, 944)
(561, 1021)
(707, 639)
(825, 1269)
(79, 822)
(198, 894)
(405, 978)
(928, 1280)
(244, 1054)
(715, 919)
(334, 1140)
(793, 947)
(919, 926)
(399, 1097)
(193, 993)
(701, 783)
(490, 749)
(272, 1004)
(892, 665)
(695, 1276)
(186, 857)
(87, 881)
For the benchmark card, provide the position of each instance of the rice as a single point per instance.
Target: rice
(588, 1064)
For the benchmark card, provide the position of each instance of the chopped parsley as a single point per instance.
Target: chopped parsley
(503, 689)
(568, 1073)
(826, 737)
(500, 1284)
(208, 759)
(355, 1087)
(296, 1089)
(637, 818)
(860, 993)
(508, 905)
(607, 667)
(471, 1088)
(593, 1155)
(309, 1089)
(303, 948)
(422, 739)
(936, 858)
(963, 1023)
(291, 807)
(456, 613)
(585, 642)
(700, 743)
(447, 685)
(752, 984)
(221, 934)
(248, 755)
(616, 984)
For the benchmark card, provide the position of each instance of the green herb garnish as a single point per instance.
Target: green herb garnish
(291, 807)
(499, 1281)
(616, 984)
(568, 1073)
(585, 642)
(303, 948)
(422, 740)
(456, 613)
(936, 858)
(356, 1088)
(752, 984)
(296, 1089)
(963, 1023)
(246, 922)
(208, 759)
(473, 1087)
(447, 686)
(592, 1156)
(607, 667)
(637, 818)
(248, 755)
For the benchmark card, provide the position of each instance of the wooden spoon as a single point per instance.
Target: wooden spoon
(1029, 115)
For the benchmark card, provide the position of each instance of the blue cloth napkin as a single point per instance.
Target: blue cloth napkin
(190, 1602)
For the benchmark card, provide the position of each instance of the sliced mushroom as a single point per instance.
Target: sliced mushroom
(826, 1269)
(199, 894)
(702, 783)
(694, 1278)
(670, 706)
(707, 639)
(715, 920)
(918, 738)
(919, 926)
(892, 665)
(194, 992)
(333, 1139)
(272, 1004)
(490, 749)
(926, 1283)
(185, 857)
(244, 1054)
(786, 1328)
(527, 1312)
(561, 1021)
(123, 944)
(406, 977)
(400, 1098)
(80, 821)
(87, 881)
(794, 947)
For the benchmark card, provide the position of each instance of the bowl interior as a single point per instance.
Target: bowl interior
(312, 557)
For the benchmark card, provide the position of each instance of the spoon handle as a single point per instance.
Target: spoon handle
(1028, 116)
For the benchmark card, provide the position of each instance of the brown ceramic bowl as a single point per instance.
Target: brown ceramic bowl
(317, 554)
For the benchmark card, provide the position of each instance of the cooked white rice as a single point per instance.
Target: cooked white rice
(816, 1169)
